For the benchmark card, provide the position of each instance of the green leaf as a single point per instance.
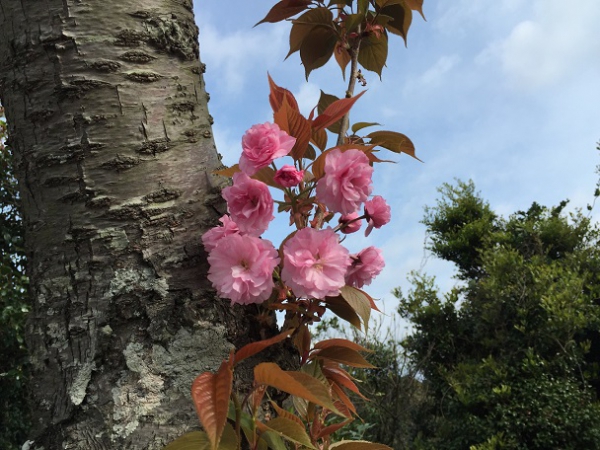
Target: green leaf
(324, 101)
(402, 18)
(288, 429)
(359, 301)
(363, 6)
(373, 52)
(396, 142)
(303, 26)
(273, 440)
(196, 440)
(317, 48)
(360, 125)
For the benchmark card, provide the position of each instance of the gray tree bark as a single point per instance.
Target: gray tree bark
(108, 118)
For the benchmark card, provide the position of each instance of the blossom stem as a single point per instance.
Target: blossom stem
(354, 50)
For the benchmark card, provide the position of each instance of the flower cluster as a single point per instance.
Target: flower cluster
(311, 263)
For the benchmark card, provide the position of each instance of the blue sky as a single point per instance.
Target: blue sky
(503, 92)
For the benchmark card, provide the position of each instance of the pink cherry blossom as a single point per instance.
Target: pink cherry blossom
(241, 268)
(288, 176)
(262, 144)
(315, 263)
(347, 181)
(378, 213)
(353, 224)
(250, 204)
(366, 265)
(214, 235)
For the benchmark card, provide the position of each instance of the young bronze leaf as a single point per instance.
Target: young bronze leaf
(340, 377)
(317, 48)
(337, 342)
(301, 130)
(416, 5)
(343, 310)
(284, 413)
(324, 101)
(396, 142)
(196, 440)
(358, 445)
(335, 111)
(373, 52)
(311, 154)
(360, 125)
(304, 24)
(342, 57)
(253, 348)
(332, 428)
(294, 383)
(287, 429)
(284, 10)
(343, 398)
(402, 18)
(277, 94)
(359, 302)
(210, 393)
(318, 165)
(229, 171)
(345, 356)
(229, 439)
(319, 138)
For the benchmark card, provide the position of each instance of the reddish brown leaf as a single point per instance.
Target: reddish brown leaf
(284, 413)
(337, 342)
(266, 175)
(324, 101)
(319, 138)
(277, 94)
(284, 10)
(210, 393)
(332, 428)
(287, 429)
(342, 57)
(335, 111)
(343, 355)
(253, 348)
(359, 301)
(358, 445)
(295, 383)
(228, 172)
(339, 376)
(341, 395)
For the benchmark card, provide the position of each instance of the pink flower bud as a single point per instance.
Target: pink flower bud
(378, 213)
(288, 176)
(353, 224)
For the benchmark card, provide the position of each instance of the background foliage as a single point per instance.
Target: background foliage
(13, 306)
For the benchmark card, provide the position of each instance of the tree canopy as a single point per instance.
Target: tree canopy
(510, 356)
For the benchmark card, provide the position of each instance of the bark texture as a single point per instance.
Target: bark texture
(108, 118)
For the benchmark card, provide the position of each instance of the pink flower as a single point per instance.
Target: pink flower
(250, 204)
(241, 268)
(288, 176)
(347, 181)
(214, 235)
(262, 144)
(354, 225)
(315, 263)
(366, 265)
(378, 213)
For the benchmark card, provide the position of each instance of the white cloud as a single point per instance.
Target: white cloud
(553, 44)
(242, 56)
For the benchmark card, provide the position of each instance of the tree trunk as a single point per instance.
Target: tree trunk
(108, 119)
